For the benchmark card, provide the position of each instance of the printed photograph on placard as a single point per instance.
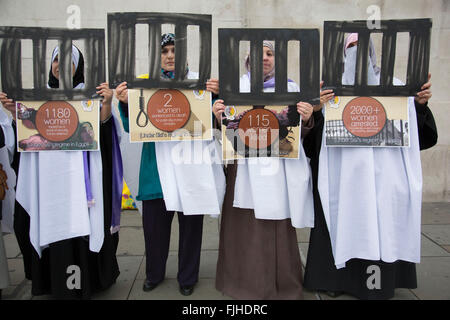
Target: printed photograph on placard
(57, 125)
(169, 114)
(367, 121)
(250, 132)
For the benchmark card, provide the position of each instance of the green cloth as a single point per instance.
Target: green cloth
(149, 183)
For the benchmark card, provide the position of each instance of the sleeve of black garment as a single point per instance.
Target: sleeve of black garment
(426, 126)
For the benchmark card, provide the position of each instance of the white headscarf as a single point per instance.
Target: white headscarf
(371, 197)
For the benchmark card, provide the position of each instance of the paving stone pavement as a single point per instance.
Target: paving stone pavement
(433, 273)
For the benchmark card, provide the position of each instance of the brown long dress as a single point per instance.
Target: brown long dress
(258, 259)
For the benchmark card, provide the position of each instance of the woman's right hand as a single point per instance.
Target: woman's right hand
(122, 92)
(218, 109)
(3, 183)
(8, 104)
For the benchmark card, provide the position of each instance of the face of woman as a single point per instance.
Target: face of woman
(168, 57)
(55, 68)
(268, 60)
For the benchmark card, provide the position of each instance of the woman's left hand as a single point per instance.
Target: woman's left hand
(105, 92)
(212, 85)
(305, 110)
(423, 96)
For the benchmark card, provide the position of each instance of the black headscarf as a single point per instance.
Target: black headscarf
(78, 77)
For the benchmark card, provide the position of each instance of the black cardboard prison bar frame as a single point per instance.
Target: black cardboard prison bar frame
(122, 49)
(11, 60)
(418, 57)
(229, 66)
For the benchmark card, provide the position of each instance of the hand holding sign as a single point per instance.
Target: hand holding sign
(325, 95)
(212, 85)
(105, 92)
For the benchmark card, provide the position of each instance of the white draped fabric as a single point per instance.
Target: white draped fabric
(192, 177)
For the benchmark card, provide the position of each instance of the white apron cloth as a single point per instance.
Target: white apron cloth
(52, 190)
(275, 189)
(371, 197)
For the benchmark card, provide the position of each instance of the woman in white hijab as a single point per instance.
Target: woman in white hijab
(265, 200)
(367, 203)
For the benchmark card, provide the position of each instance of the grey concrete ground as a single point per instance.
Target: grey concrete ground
(433, 272)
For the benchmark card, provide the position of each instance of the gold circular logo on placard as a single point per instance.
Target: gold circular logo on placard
(56, 121)
(259, 128)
